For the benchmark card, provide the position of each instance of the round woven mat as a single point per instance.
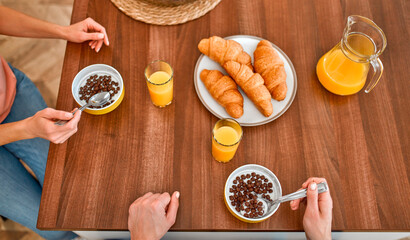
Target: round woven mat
(165, 15)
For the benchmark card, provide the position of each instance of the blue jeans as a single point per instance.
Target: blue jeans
(20, 193)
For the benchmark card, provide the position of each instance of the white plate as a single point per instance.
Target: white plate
(251, 116)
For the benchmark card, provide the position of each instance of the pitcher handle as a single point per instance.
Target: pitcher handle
(377, 73)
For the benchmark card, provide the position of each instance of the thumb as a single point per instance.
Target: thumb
(312, 202)
(50, 113)
(173, 208)
(93, 36)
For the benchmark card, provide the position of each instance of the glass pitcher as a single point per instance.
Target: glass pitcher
(343, 70)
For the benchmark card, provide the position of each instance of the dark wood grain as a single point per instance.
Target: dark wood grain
(359, 143)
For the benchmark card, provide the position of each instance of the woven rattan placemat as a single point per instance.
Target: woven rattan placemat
(165, 15)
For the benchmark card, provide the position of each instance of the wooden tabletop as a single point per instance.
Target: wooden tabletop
(359, 143)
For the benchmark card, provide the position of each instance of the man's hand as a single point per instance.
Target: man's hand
(42, 125)
(151, 215)
(86, 30)
(317, 220)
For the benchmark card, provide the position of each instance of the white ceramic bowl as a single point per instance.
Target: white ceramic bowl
(97, 69)
(258, 169)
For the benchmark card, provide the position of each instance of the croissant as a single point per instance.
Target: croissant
(269, 65)
(252, 84)
(224, 90)
(221, 51)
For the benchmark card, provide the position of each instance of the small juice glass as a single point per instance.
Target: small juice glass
(159, 77)
(226, 136)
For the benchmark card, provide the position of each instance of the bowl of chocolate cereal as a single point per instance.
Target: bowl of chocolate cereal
(94, 79)
(250, 191)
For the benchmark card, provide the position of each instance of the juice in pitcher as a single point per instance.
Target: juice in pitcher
(343, 70)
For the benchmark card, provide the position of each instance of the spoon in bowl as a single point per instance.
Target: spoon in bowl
(321, 187)
(96, 100)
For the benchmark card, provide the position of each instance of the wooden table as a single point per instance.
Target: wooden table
(359, 143)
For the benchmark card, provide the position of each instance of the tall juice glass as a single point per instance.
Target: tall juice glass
(160, 82)
(226, 136)
(343, 70)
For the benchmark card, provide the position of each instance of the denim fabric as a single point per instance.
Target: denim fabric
(20, 193)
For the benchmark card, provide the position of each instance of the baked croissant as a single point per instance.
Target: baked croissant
(252, 84)
(269, 65)
(224, 90)
(221, 51)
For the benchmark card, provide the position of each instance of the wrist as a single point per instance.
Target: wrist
(62, 32)
(136, 236)
(25, 129)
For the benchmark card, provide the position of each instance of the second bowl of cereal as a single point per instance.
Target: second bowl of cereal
(94, 79)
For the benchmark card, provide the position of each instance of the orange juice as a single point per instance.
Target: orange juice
(225, 141)
(160, 87)
(340, 74)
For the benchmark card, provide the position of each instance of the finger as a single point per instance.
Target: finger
(72, 124)
(98, 46)
(102, 29)
(153, 197)
(93, 36)
(70, 128)
(313, 179)
(312, 198)
(164, 199)
(107, 43)
(50, 113)
(96, 26)
(63, 138)
(173, 208)
(138, 201)
(94, 44)
(147, 195)
(325, 203)
(65, 132)
(294, 204)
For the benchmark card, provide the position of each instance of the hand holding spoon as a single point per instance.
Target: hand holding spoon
(96, 100)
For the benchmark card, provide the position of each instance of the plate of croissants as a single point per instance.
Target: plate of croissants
(244, 77)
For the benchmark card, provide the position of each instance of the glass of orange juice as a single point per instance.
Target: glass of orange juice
(343, 70)
(159, 77)
(226, 136)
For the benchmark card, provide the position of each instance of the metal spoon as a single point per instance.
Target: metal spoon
(321, 187)
(96, 100)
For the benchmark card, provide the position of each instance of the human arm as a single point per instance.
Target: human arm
(41, 125)
(151, 215)
(317, 220)
(14, 23)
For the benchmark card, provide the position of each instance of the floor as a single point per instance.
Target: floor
(10, 230)
(42, 61)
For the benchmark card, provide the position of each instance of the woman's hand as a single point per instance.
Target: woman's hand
(85, 30)
(42, 125)
(317, 220)
(151, 215)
